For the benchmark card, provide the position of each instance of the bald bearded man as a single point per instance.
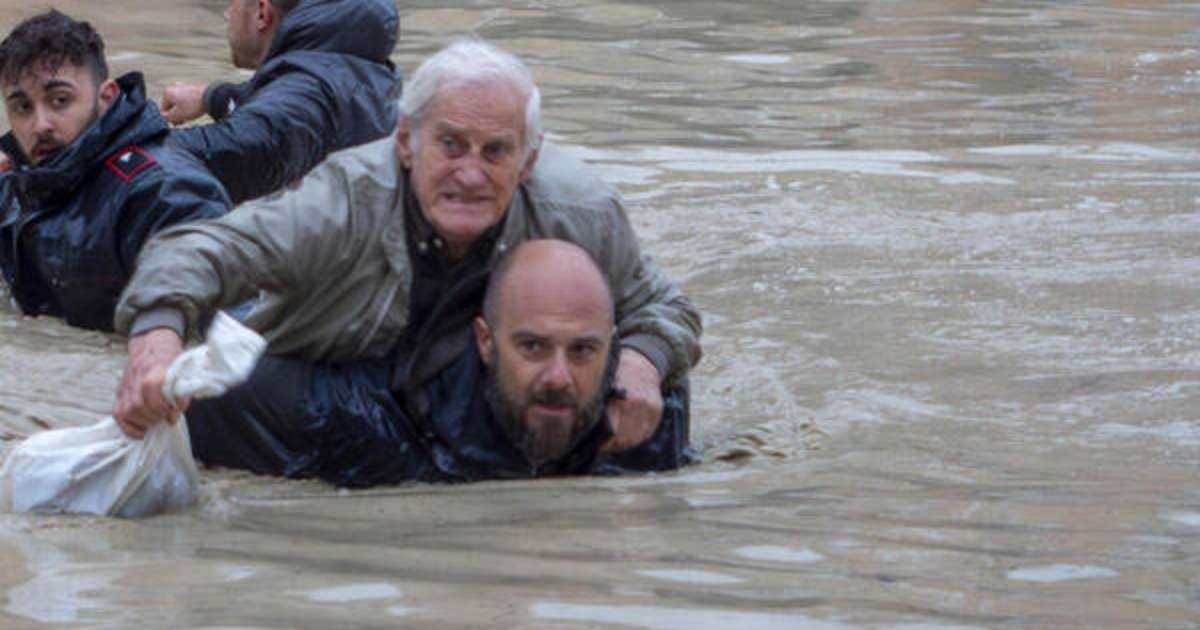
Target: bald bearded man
(526, 398)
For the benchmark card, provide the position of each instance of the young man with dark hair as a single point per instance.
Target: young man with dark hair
(88, 179)
(322, 83)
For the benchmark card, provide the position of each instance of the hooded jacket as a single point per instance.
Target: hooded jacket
(326, 85)
(71, 226)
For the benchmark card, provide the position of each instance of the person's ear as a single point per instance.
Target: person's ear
(483, 340)
(107, 93)
(266, 17)
(403, 144)
(527, 169)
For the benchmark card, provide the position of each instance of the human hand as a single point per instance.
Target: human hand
(183, 102)
(635, 417)
(5, 163)
(140, 401)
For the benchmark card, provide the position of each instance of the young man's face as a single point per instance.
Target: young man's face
(49, 108)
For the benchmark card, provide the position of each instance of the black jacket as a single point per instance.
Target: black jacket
(326, 85)
(357, 434)
(71, 227)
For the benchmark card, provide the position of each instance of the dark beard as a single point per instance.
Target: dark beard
(543, 447)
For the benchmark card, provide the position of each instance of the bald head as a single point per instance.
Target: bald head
(548, 270)
(547, 339)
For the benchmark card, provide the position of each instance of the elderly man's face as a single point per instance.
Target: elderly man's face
(49, 108)
(467, 160)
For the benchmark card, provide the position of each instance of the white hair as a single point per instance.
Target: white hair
(472, 61)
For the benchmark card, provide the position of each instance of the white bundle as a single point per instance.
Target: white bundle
(99, 470)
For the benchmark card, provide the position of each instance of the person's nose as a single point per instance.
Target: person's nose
(556, 375)
(43, 121)
(469, 172)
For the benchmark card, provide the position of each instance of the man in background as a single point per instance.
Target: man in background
(322, 82)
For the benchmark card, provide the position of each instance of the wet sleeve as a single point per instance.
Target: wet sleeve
(270, 140)
(654, 317)
(8, 214)
(670, 446)
(221, 98)
(272, 245)
(7, 195)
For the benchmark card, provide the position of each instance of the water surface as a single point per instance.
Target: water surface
(947, 257)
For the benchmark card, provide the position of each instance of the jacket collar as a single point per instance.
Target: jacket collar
(131, 119)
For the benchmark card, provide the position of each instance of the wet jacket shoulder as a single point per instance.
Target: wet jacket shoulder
(72, 226)
(333, 260)
(566, 199)
(326, 85)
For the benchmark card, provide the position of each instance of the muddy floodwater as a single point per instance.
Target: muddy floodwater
(948, 256)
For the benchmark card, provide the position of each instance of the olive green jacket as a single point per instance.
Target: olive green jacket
(329, 262)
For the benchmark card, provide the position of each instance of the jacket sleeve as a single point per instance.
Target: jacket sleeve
(163, 200)
(8, 213)
(221, 99)
(653, 316)
(270, 245)
(270, 140)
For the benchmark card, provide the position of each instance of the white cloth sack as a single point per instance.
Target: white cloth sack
(99, 470)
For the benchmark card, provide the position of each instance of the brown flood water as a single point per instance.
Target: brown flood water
(947, 252)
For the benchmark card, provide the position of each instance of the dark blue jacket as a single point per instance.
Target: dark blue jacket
(326, 85)
(71, 227)
(367, 437)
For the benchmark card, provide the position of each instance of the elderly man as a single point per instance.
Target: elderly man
(526, 398)
(322, 83)
(88, 179)
(375, 253)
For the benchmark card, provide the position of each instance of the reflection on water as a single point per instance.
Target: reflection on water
(946, 253)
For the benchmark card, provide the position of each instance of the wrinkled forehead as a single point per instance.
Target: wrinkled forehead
(497, 99)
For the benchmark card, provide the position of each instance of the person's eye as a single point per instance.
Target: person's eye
(530, 346)
(495, 152)
(583, 352)
(451, 145)
(61, 101)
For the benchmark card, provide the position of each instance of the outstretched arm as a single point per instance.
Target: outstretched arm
(268, 141)
(193, 269)
(659, 329)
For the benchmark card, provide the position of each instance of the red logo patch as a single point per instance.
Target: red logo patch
(129, 161)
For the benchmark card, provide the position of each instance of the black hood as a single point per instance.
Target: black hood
(361, 28)
(131, 119)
